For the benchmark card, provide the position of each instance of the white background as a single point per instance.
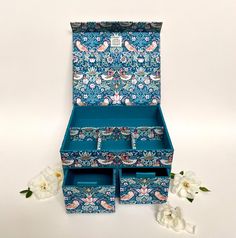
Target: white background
(198, 46)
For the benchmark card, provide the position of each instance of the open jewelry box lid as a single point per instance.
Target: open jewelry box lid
(116, 63)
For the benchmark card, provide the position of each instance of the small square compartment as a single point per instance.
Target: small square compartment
(116, 145)
(89, 190)
(144, 185)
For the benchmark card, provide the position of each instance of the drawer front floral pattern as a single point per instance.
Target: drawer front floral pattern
(144, 190)
(132, 158)
(89, 199)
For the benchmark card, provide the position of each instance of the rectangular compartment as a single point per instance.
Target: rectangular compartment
(79, 148)
(89, 190)
(144, 185)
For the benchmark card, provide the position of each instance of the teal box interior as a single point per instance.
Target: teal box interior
(116, 122)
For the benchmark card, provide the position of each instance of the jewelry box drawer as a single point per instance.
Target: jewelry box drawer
(144, 185)
(89, 190)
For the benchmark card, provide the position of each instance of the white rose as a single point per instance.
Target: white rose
(185, 185)
(56, 171)
(44, 186)
(47, 183)
(171, 217)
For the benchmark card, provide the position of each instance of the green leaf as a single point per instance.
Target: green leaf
(172, 175)
(190, 199)
(24, 191)
(28, 194)
(182, 172)
(204, 189)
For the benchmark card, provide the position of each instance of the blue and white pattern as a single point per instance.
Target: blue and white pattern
(125, 72)
(116, 133)
(89, 199)
(132, 158)
(144, 190)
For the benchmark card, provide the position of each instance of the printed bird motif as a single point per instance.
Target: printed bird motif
(103, 47)
(155, 77)
(125, 160)
(154, 101)
(167, 162)
(80, 46)
(74, 132)
(159, 131)
(108, 159)
(152, 47)
(107, 132)
(105, 162)
(78, 76)
(127, 197)
(159, 196)
(105, 205)
(125, 131)
(79, 102)
(67, 162)
(105, 102)
(72, 205)
(123, 75)
(127, 102)
(130, 47)
(108, 76)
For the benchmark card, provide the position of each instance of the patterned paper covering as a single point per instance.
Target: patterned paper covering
(116, 133)
(116, 63)
(144, 190)
(133, 158)
(89, 199)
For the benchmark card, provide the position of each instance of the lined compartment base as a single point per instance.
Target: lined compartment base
(89, 177)
(116, 116)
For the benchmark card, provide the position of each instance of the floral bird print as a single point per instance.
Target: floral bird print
(159, 196)
(105, 205)
(128, 196)
(103, 47)
(123, 75)
(73, 205)
(130, 47)
(81, 47)
(152, 47)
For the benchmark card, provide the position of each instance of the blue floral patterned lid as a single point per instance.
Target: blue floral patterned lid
(116, 63)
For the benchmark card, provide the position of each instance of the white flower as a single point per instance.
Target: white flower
(171, 217)
(56, 171)
(44, 186)
(185, 185)
(47, 183)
